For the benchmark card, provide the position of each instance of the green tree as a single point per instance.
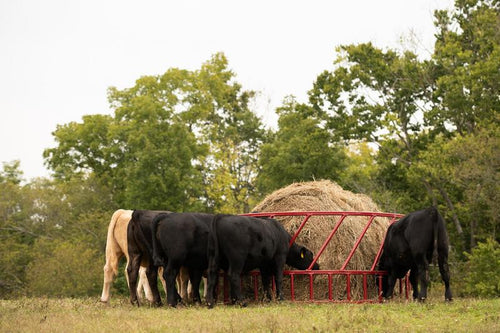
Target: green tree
(466, 61)
(76, 211)
(161, 146)
(413, 109)
(11, 173)
(378, 97)
(469, 167)
(301, 150)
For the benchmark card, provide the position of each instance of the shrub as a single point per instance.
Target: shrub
(64, 268)
(483, 270)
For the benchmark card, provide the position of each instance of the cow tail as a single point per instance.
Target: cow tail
(442, 236)
(157, 252)
(139, 237)
(112, 223)
(213, 245)
(110, 238)
(435, 228)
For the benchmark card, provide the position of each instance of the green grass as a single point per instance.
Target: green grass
(88, 315)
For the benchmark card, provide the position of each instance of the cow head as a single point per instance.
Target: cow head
(383, 265)
(300, 257)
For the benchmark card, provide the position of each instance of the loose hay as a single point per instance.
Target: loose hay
(328, 196)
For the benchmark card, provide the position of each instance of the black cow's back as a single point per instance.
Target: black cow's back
(250, 240)
(182, 237)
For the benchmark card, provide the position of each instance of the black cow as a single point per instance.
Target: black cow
(409, 245)
(139, 238)
(238, 244)
(180, 239)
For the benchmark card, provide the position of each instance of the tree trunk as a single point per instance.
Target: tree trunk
(472, 233)
(430, 192)
(458, 225)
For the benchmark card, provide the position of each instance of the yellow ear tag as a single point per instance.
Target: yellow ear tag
(302, 255)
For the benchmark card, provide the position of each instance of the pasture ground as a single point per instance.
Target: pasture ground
(89, 315)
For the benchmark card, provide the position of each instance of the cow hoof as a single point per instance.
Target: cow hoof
(422, 299)
(448, 299)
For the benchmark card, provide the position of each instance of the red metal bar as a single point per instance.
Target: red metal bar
(324, 301)
(299, 230)
(379, 252)
(365, 287)
(380, 291)
(348, 277)
(407, 286)
(330, 285)
(358, 241)
(323, 247)
(342, 271)
(331, 271)
(322, 213)
(311, 288)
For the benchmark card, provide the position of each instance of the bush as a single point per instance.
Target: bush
(64, 268)
(483, 270)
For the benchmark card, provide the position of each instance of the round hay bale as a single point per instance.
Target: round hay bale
(325, 195)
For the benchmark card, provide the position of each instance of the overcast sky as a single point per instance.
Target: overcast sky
(58, 57)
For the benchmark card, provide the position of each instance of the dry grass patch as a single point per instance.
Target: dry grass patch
(87, 315)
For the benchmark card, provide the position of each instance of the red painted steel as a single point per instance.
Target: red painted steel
(330, 274)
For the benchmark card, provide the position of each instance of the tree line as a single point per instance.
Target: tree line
(409, 132)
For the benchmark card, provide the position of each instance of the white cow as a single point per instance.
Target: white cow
(116, 248)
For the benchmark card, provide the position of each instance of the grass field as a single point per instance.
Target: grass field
(88, 315)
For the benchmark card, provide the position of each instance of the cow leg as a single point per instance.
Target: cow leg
(391, 282)
(266, 276)
(152, 278)
(142, 284)
(170, 274)
(162, 280)
(110, 271)
(234, 276)
(445, 275)
(183, 282)
(133, 273)
(205, 289)
(414, 281)
(195, 279)
(213, 281)
(278, 276)
(423, 276)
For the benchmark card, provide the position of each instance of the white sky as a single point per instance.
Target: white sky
(58, 57)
